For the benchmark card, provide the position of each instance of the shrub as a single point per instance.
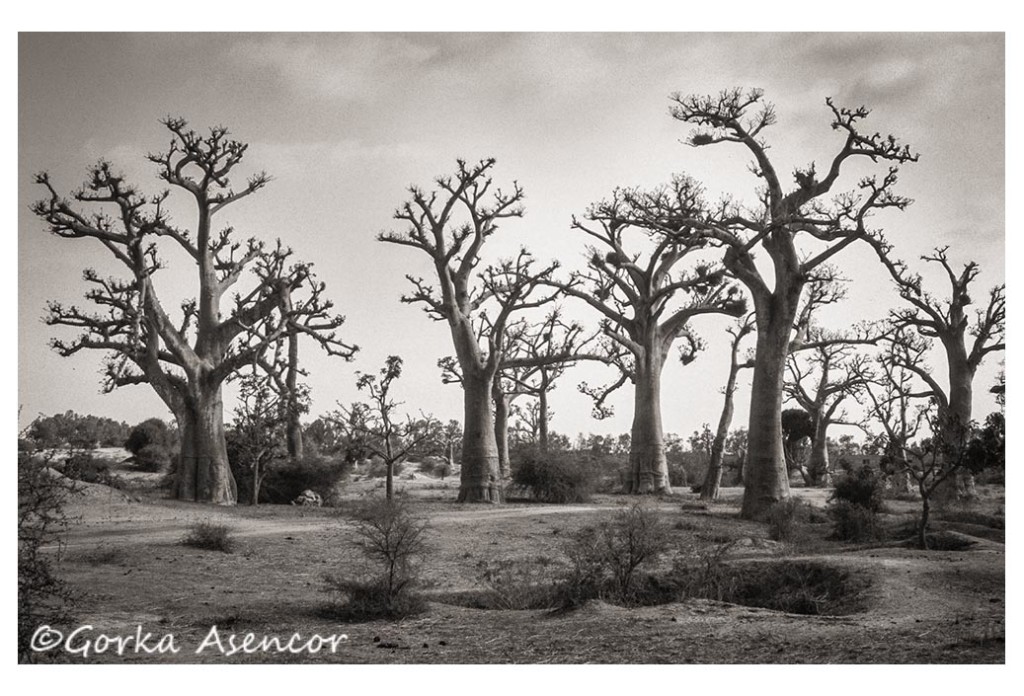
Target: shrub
(796, 587)
(852, 522)
(391, 539)
(43, 597)
(209, 536)
(149, 433)
(378, 469)
(83, 466)
(605, 558)
(517, 584)
(555, 477)
(154, 458)
(864, 488)
(783, 517)
(285, 481)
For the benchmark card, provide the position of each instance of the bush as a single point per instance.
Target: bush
(391, 539)
(852, 522)
(516, 584)
(783, 517)
(864, 488)
(286, 480)
(154, 458)
(83, 466)
(378, 469)
(605, 558)
(43, 597)
(796, 587)
(209, 537)
(554, 477)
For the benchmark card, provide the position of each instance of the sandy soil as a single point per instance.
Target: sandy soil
(125, 561)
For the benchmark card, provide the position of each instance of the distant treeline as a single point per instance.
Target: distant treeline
(70, 429)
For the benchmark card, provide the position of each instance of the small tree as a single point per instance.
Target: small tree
(377, 427)
(43, 596)
(259, 430)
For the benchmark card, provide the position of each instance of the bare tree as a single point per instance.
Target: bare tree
(377, 426)
(646, 301)
(713, 478)
(965, 343)
(822, 377)
(774, 226)
(905, 412)
(259, 430)
(187, 362)
(536, 356)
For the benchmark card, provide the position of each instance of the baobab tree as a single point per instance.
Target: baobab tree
(822, 376)
(536, 355)
(965, 342)
(774, 226)
(905, 411)
(185, 362)
(646, 301)
(454, 244)
(713, 478)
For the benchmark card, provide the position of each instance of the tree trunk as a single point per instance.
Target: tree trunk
(501, 429)
(713, 478)
(818, 464)
(961, 406)
(389, 481)
(293, 422)
(647, 462)
(255, 498)
(481, 477)
(765, 478)
(204, 475)
(922, 530)
(542, 419)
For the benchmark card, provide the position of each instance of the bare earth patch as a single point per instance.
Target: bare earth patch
(125, 561)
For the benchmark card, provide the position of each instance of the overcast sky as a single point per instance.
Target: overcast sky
(346, 122)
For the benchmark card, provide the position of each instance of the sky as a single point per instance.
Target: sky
(345, 123)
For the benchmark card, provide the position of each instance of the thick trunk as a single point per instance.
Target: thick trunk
(501, 430)
(647, 462)
(481, 477)
(818, 464)
(542, 416)
(389, 485)
(765, 478)
(203, 471)
(961, 398)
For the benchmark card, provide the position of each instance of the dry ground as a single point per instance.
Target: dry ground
(124, 559)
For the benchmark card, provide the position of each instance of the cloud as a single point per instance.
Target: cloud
(336, 66)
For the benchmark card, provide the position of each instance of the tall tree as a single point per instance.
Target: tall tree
(774, 226)
(713, 478)
(454, 243)
(646, 300)
(186, 363)
(965, 342)
(536, 355)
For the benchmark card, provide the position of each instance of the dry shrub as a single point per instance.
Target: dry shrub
(209, 536)
(391, 539)
(605, 559)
